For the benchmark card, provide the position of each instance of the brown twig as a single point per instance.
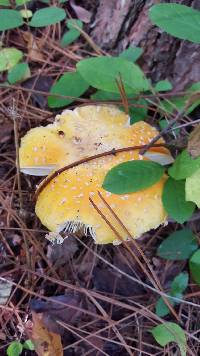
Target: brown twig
(114, 151)
(123, 95)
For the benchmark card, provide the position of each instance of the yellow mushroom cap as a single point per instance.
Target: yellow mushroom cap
(64, 203)
(80, 133)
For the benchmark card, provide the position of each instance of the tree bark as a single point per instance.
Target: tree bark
(123, 23)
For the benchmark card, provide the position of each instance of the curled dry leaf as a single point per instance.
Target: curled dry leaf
(46, 343)
(34, 52)
(83, 14)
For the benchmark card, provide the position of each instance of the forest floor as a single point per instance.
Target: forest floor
(97, 310)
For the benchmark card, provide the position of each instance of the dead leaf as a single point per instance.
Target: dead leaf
(193, 146)
(44, 84)
(34, 52)
(82, 14)
(61, 254)
(46, 342)
(53, 311)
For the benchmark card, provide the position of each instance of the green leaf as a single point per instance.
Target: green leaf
(14, 349)
(4, 2)
(69, 37)
(102, 72)
(28, 345)
(174, 202)
(9, 57)
(161, 308)
(178, 246)
(18, 73)
(10, 19)
(131, 53)
(184, 166)
(47, 16)
(132, 176)
(170, 332)
(70, 84)
(178, 20)
(194, 264)
(178, 285)
(105, 95)
(138, 113)
(192, 188)
(163, 85)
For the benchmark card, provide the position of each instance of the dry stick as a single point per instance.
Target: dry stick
(123, 95)
(83, 290)
(115, 323)
(73, 97)
(51, 299)
(89, 40)
(114, 151)
(109, 320)
(90, 335)
(128, 248)
(82, 338)
(14, 115)
(30, 237)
